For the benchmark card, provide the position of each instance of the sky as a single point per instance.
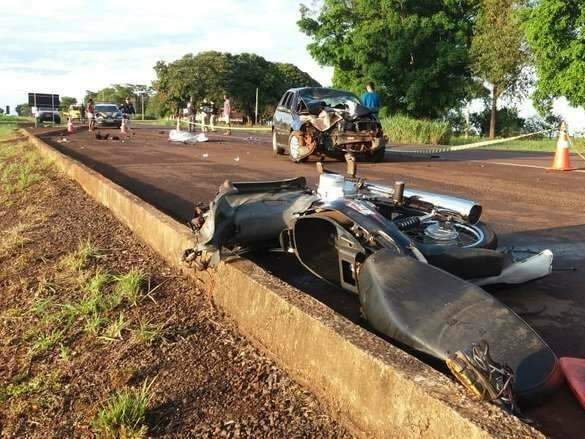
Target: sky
(69, 47)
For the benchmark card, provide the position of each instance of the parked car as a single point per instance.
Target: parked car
(108, 115)
(325, 121)
(46, 114)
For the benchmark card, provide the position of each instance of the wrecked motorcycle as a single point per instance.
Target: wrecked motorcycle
(416, 260)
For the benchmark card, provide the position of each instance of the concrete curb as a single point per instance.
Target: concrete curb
(374, 388)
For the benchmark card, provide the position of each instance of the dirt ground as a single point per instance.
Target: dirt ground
(67, 346)
(529, 208)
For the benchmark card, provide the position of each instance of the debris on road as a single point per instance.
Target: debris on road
(187, 137)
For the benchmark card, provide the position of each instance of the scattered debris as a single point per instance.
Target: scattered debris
(63, 140)
(187, 137)
(100, 136)
(237, 159)
(205, 155)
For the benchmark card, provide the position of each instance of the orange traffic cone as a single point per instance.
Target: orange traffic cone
(562, 154)
(70, 126)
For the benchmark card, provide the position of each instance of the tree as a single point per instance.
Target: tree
(117, 93)
(508, 122)
(416, 51)
(23, 110)
(497, 50)
(66, 101)
(555, 30)
(212, 74)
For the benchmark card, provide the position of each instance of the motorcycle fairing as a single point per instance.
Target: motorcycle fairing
(437, 313)
(250, 214)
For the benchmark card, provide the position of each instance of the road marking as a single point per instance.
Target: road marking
(518, 165)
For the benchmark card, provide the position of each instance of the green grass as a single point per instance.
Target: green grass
(7, 131)
(94, 324)
(129, 286)
(46, 341)
(408, 130)
(80, 259)
(14, 238)
(146, 333)
(116, 328)
(123, 415)
(20, 386)
(15, 118)
(19, 175)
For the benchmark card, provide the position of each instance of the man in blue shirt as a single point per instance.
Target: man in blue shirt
(371, 99)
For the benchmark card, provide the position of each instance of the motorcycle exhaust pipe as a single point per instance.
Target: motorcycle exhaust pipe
(467, 210)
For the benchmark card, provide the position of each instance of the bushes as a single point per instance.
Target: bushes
(404, 129)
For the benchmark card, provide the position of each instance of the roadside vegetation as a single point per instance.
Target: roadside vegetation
(408, 130)
(99, 338)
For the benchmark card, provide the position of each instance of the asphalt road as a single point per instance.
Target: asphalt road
(528, 207)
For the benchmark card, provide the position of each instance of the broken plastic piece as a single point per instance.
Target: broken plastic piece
(574, 370)
(534, 267)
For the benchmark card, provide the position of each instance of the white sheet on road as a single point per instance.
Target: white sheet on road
(186, 137)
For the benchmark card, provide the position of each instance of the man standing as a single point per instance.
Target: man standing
(191, 116)
(205, 114)
(127, 110)
(371, 99)
(227, 109)
(212, 116)
(90, 113)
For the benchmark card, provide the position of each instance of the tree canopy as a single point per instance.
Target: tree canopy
(117, 93)
(498, 54)
(212, 74)
(555, 30)
(416, 51)
(66, 101)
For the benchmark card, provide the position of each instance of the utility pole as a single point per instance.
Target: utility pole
(142, 96)
(256, 106)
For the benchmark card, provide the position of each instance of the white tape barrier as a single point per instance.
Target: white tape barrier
(225, 127)
(427, 151)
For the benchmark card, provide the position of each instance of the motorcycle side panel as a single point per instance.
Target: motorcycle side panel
(437, 313)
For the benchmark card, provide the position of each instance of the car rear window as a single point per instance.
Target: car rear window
(106, 108)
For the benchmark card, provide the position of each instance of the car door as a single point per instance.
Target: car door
(282, 118)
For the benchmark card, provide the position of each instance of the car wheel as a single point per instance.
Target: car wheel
(57, 119)
(378, 155)
(294, 149)
(278, 150)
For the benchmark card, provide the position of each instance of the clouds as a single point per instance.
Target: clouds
(70, 47)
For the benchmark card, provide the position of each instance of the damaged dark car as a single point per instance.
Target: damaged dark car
(326, 122)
